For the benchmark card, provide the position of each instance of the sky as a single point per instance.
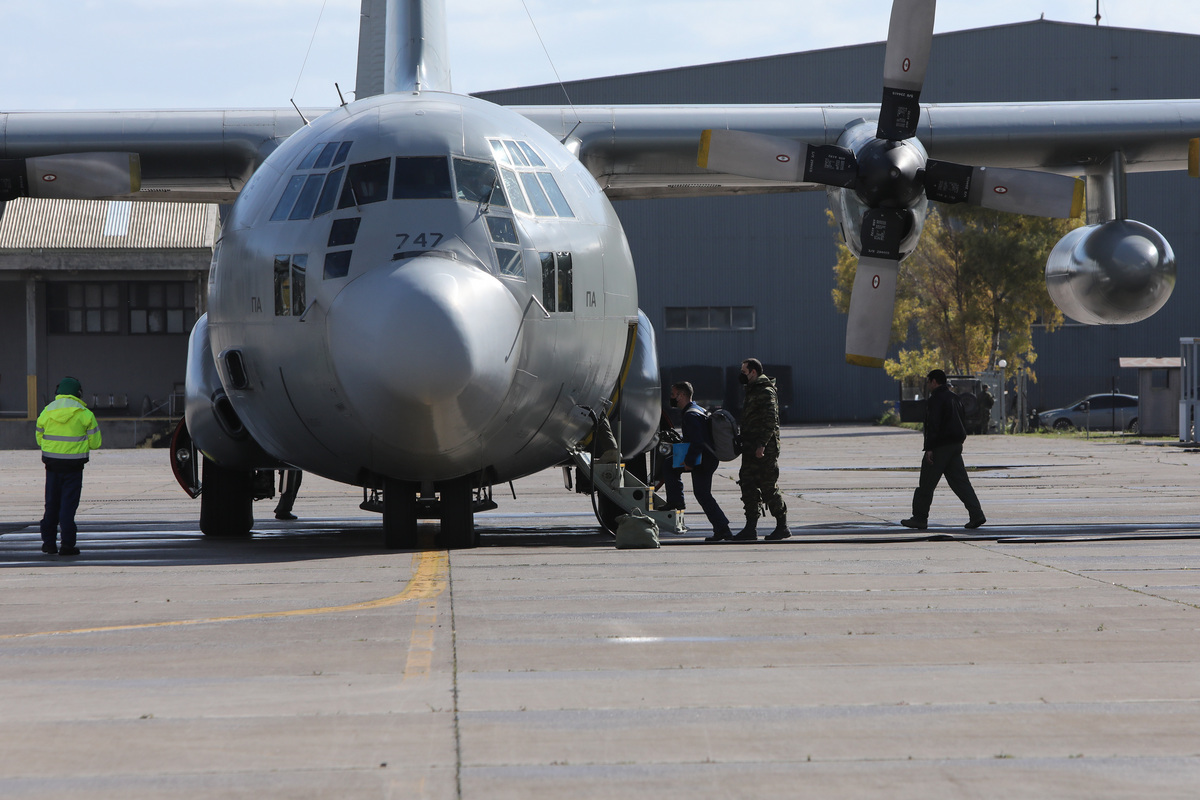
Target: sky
(114, 54)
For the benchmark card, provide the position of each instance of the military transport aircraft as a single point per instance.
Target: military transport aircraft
(425, 294)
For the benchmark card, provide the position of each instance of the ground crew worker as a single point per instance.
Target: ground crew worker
(759, 475)
(66, 431)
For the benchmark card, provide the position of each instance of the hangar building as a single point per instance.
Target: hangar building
(730, 277)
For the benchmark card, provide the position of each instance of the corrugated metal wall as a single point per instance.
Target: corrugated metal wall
(28, 223)
(776, 252)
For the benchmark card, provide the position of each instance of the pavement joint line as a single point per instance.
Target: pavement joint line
(1083, 576)
(430, 578)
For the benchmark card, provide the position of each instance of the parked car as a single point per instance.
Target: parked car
(1097, 412)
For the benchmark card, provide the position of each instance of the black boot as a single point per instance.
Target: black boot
(748, 533)
(781, 531)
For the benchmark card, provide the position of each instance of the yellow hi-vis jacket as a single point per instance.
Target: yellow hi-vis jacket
(67, 430)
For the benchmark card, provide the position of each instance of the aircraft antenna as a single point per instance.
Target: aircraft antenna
(304, 63)
(562, 85)
(298, 111)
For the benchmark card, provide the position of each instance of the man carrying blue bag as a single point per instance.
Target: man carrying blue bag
(696, 456)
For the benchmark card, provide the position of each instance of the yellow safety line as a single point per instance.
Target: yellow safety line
(428, 580)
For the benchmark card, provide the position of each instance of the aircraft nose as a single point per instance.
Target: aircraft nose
(425, 353)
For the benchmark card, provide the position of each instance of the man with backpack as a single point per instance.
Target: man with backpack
(945, 432)
(700, 459)
(759, 475)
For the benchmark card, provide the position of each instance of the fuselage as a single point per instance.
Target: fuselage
(421, 287)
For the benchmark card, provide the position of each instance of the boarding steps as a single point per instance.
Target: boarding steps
(626, 491)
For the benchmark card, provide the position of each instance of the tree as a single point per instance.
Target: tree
(973, 289)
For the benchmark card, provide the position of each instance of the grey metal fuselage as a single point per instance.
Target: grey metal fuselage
(432, 356)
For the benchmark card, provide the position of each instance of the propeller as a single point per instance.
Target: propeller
(889, 174)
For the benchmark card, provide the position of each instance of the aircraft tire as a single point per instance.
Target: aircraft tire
(226, 501)
(458, 516)
(399, 515)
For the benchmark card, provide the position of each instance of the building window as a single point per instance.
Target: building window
(83, 308)
(710, 318)
(153, 307)
(162, 307)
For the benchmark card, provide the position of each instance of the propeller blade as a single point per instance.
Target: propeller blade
(910, 35)
(1017, 191)
(872, 302)
(873, 298)
(754, 155)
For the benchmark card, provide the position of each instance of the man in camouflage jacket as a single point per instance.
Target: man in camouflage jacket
(759, 475)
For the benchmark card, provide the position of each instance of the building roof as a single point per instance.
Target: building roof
(31, 224)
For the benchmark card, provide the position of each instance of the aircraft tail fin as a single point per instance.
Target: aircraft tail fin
(402, 47)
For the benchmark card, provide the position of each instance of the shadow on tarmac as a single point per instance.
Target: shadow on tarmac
(180, 544)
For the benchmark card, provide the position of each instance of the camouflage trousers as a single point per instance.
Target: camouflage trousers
(759, 479)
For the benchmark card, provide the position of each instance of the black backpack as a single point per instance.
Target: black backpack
(725, 435)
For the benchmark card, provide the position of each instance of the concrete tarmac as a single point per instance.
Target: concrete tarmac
(1053, 653)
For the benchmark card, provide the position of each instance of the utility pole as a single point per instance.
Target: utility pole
(1097, 12)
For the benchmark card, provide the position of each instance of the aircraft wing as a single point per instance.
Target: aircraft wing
(651, 151)
(193, 156)
(633, 151)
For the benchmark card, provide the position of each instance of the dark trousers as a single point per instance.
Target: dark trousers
(947, 460)
(672, 477)
(62, 499)
(702, 480)
(289, 487)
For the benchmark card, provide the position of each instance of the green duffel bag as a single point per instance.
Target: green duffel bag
(635, 530)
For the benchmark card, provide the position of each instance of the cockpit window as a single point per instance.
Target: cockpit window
(422, 178)
(502, 230)
(557, 198)
(329, 193)
(366, 182)
(518, 158)
(311, 158)
(499, 152)
(307, 200)
(477, 182)
(513, 187)
(531, 154)
(537, 195)
(509, 261)
(325, 154)
(284, 207)
(326, 157)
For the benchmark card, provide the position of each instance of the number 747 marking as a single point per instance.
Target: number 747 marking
(420, 240)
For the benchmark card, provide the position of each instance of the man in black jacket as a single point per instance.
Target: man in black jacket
(699, 460)
(945, 432)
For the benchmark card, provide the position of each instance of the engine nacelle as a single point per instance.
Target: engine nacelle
(212, 421)
(1116, 272)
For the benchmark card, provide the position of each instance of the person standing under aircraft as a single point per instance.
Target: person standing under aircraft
(66, 432)
(289, 487)
(759, 475)
(700, 459)
(945, 432)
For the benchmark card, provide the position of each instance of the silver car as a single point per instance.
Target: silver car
(1096, 412)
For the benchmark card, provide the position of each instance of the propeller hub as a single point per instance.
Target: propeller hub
(890, 174)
